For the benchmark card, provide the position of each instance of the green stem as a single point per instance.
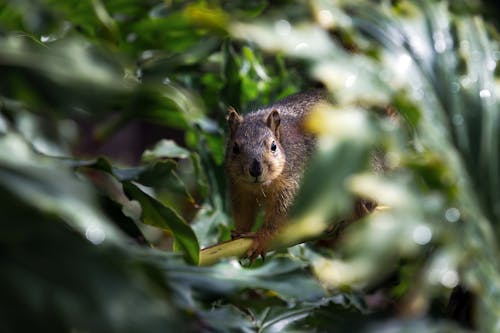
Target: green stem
(234, 248)
(294, 233)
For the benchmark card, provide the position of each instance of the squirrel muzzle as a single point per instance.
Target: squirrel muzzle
(255, 169)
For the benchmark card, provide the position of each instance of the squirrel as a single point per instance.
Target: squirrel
(266, 154)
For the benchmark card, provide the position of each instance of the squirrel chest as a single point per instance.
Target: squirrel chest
(266, 154)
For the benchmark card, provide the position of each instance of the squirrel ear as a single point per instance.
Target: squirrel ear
(273, 122)
(233, 120)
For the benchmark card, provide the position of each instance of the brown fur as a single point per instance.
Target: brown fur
(249, 150)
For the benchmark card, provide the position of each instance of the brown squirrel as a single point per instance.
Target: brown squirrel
(266, 154)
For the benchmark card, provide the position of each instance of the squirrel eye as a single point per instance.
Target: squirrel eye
(236, 148)
(273, 146)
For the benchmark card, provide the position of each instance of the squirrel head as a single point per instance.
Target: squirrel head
(254, 153)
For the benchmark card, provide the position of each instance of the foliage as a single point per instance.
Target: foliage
(98, 244)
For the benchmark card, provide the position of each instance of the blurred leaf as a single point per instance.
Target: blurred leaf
(283, 277)
(232, 81)
(337, 313)
(126, 218)
(200, 174)
(322, 193)
(165, 148)
(208, 17)
(51, 188)
(306, 40)
(173, 31)
(417, 325)
(156, 174)
(97, 292)
(160, 63)
(229, 318)
(64, 76)
(210, 225)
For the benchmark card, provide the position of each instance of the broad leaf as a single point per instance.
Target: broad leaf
(159, 215)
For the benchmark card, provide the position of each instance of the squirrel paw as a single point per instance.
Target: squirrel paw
(259, 244)
(259, 247)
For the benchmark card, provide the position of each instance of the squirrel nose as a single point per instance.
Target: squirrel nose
(255, 169)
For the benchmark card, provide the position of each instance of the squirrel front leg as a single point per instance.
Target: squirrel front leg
(244, 210)
(275, 217)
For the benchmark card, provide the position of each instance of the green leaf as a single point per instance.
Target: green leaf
(159, 215)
